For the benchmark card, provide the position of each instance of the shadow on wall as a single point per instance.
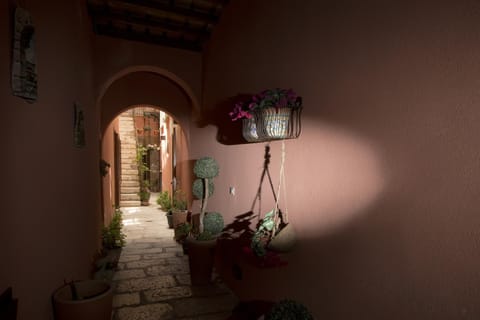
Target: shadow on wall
(361, 271)
(229, 132)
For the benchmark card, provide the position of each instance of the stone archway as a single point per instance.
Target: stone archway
(144, 85)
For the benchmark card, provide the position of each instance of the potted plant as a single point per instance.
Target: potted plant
(288, 309)
(86, 299)
(142, 170)
(144, 194)
(165, 203)
(181, 232)
(201, 243)
(268, 115)
(179, 208)
(92, 298)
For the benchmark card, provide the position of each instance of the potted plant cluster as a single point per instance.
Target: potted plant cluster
(165, 203)
(179, 207)
(201, 239)
(270, 114)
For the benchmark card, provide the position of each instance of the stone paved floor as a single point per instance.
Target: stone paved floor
(153, 282)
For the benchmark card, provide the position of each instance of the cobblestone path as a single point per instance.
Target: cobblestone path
(153, 282)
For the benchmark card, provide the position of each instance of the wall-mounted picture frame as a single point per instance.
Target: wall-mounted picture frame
(78, 126)
(24, 66)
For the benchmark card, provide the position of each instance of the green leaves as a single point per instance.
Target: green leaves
(112, 235)
(206, 168)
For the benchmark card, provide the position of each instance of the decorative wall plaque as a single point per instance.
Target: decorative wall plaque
(24, 70)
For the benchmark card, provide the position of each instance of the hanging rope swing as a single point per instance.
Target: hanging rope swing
(273, 231)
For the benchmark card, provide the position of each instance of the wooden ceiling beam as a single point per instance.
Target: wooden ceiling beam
(148, 21)
(107, 30)
(191, 13)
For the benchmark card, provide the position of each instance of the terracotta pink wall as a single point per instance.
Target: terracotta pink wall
(383, 183)
(145, 88)
(113, 55)
(108, 181)
(50, 217)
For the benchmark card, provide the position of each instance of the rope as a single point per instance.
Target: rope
(281, 181)
(276, 196)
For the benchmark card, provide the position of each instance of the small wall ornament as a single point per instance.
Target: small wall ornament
(78, 126)
(24, 68)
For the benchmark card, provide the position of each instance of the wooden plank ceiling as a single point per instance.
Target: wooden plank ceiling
(184, 24)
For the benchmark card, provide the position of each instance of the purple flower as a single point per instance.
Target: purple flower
(267, 98)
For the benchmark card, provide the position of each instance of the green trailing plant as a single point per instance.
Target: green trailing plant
(144, 191)
(213, 223)
(164, 201)
(142, 170)
(262, 234)
(144, 195)
(112, 235)
(288, 310)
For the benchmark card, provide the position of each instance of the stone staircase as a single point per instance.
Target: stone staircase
(129, 182)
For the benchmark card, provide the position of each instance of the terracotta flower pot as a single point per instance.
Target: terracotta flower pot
(179, 217)
(201, 255)
(94, 301)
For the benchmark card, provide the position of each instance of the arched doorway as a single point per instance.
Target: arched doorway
(162, 94)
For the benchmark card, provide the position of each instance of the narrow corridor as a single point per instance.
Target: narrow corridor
(153, 281)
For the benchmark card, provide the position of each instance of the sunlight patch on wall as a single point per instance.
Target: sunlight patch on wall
(342, 176)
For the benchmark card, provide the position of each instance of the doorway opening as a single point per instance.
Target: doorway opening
(149, 156)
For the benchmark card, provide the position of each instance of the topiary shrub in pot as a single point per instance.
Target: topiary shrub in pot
(201, 246)
(213, 223)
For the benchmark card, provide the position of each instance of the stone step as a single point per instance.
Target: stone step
(129, 196)
(130, 178)
(130, 166)
(129, 203)
(132, 189)
(128, 171)
(130, 183)
(128, 147)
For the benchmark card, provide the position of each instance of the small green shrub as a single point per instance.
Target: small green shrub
(205, 235)
(144, 195)
(180, 200)
(206, 167)
(164, 201)
(112, 235)
(197, 188)
(289, 310)
(213, 223)
(182, 231)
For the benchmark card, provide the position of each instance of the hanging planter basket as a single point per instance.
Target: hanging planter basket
(284, 240)
(249, 130)
(273, 124)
